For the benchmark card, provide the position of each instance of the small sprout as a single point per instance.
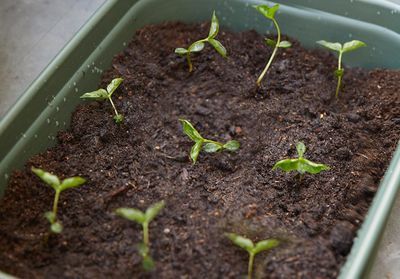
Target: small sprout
(301, 165)
(54, 182)
(269, 12)
(102, 94)
(144, 219)
(199, 45)
(252, 249)
(207, 145)
(338, 47)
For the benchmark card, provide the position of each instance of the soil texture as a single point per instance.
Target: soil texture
(145, 160)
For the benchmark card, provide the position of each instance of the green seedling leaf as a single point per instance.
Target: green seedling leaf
(199, 45)
(56, 227)
(181, 51)
(102, 94)
(50, 216)
(268, 12)
(232, 145)
(214, 28)
(270, 42)
(190, 131)
(49, 178)
(72, 182)
(211, 147)
(148, 263)
(119, 118)
(218, 47)
(153, 210)
(99, 95)
(265, 245)
(353, 45)
(252, 249)
(195, 151)
(348, 46)
(301, 165)
(241, 241)
(339, 73)
(131, 214)
(58, 187)
(285, 44)
(196, 47)
(201, 143)
(301, 149)
(114, 85)
(332, 46)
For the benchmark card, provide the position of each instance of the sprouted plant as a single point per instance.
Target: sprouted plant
(269, 12)
(103, 94)
(199, 45)
(54, 182)
(144, 219)
(207, 145)
(251, 248)
(300, 164)
(338, 47)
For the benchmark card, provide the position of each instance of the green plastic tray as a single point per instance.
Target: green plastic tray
(45, 108)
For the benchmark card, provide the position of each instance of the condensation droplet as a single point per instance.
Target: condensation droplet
(74, 83)
(35, 136)
(6, 176)
(48, 120)
(57, 124)
(57, 108)
(64, 99)
(76, 89)
(378, 12)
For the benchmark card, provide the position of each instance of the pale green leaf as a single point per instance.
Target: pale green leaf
(285, 44)
(241, 241)
(153, 210)
(50, 216)
(268, 12)
(100, 94)
(332, 46)
(211, 147)
(194, 152)
(264, 245)
(190, 131)
(72, 182)
(301, 149)
(311, 167)
(114, 85)
(270, 42)
(218, 47)
(56, 227)
(196, 46)
(119, 118)
(339, 73)
(131, 214)
(181, 51)
(148, 263)
(232, 145)
(214, 28)
(353, 45)
(287, 165)
(47, 177)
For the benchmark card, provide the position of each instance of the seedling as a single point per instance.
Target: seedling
(251, 248)
(207, 145)
(338, 47)
(269, 12)
(54, 182)
(144, 219)
(199, 45)
(301, 165)
(103, 94)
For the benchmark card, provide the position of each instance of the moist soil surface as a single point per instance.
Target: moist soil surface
(145, 160)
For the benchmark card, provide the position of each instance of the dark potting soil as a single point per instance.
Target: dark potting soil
(145, 160)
